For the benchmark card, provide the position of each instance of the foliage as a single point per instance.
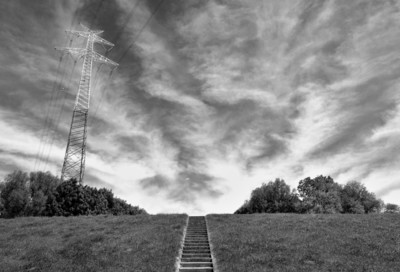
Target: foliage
(2, 211)
(42, 186)
(72, 198)
(356, 199)
(15, 194)
(392, 208)
(121, 207)
(42, 194)
(320, 195)
(274, 197)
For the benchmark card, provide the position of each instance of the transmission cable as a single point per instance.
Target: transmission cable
(56, 124)
(102, 95)
(128, 18)
(51, 118)
(55, 83)
(51, 105)
(140, 31)
(126, 51)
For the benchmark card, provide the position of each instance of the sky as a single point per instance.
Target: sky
(210, 99)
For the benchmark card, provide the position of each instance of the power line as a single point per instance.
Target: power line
(129, 47)
(47, 111)
(95, 15)
(102, 96)
(45, 132)
(53, 99)
(51, 118)
(55, 124)
(128, 18)
(140, 31)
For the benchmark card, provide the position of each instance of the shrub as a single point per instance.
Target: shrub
(320, 195)
(42, 194)
(120, 207)
(72, 198)
(42, 186)
(392, 208)
(356, 199)
(274, 197)
(15, 194)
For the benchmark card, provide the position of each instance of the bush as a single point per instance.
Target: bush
(120, 207)
(274, 197)
(42, 194)
(356, 199)
(42, 186)
(392, 208)
(72, 198)
(320, 195)
(15, 194)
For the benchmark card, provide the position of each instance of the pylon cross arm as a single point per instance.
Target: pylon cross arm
(101, 59)
(75, 52)
(91, 30)
(98, 39)
(78, 33)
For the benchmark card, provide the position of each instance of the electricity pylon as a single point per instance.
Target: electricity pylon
(75, 154)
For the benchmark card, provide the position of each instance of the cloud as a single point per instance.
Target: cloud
(211, 98)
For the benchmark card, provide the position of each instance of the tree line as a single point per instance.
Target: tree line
(318, 195)
(43, 194)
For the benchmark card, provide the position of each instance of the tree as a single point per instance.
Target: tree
(42, 186)
(121, 208)
(97, 201)
(320, 195)
(274, 197)
(244, 209)
(356, 199)
(392, 208)
(15, 194)
(71, 199)
(42, 194)
(2, 211)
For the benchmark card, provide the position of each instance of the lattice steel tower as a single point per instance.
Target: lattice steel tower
(74, 160)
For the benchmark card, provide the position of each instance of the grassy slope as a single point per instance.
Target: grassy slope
(103, 243)
(289, 242)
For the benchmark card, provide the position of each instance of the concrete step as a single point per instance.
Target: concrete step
(196, 253)
(196, 264)
(196, 260)
(196, 269)
(190, 255)
(196, 246)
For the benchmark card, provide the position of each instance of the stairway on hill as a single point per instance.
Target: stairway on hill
(196, 254)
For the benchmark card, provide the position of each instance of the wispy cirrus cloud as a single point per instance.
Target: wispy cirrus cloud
(213, 97)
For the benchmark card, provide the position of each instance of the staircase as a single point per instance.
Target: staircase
(196, 254)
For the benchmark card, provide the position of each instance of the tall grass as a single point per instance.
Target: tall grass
(98, 243)
(295, 242)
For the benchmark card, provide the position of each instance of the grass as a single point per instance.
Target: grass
(294, 242)
(99, 243)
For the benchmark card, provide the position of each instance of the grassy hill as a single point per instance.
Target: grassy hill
(245, 243)
(99, 243)
(294, 242)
